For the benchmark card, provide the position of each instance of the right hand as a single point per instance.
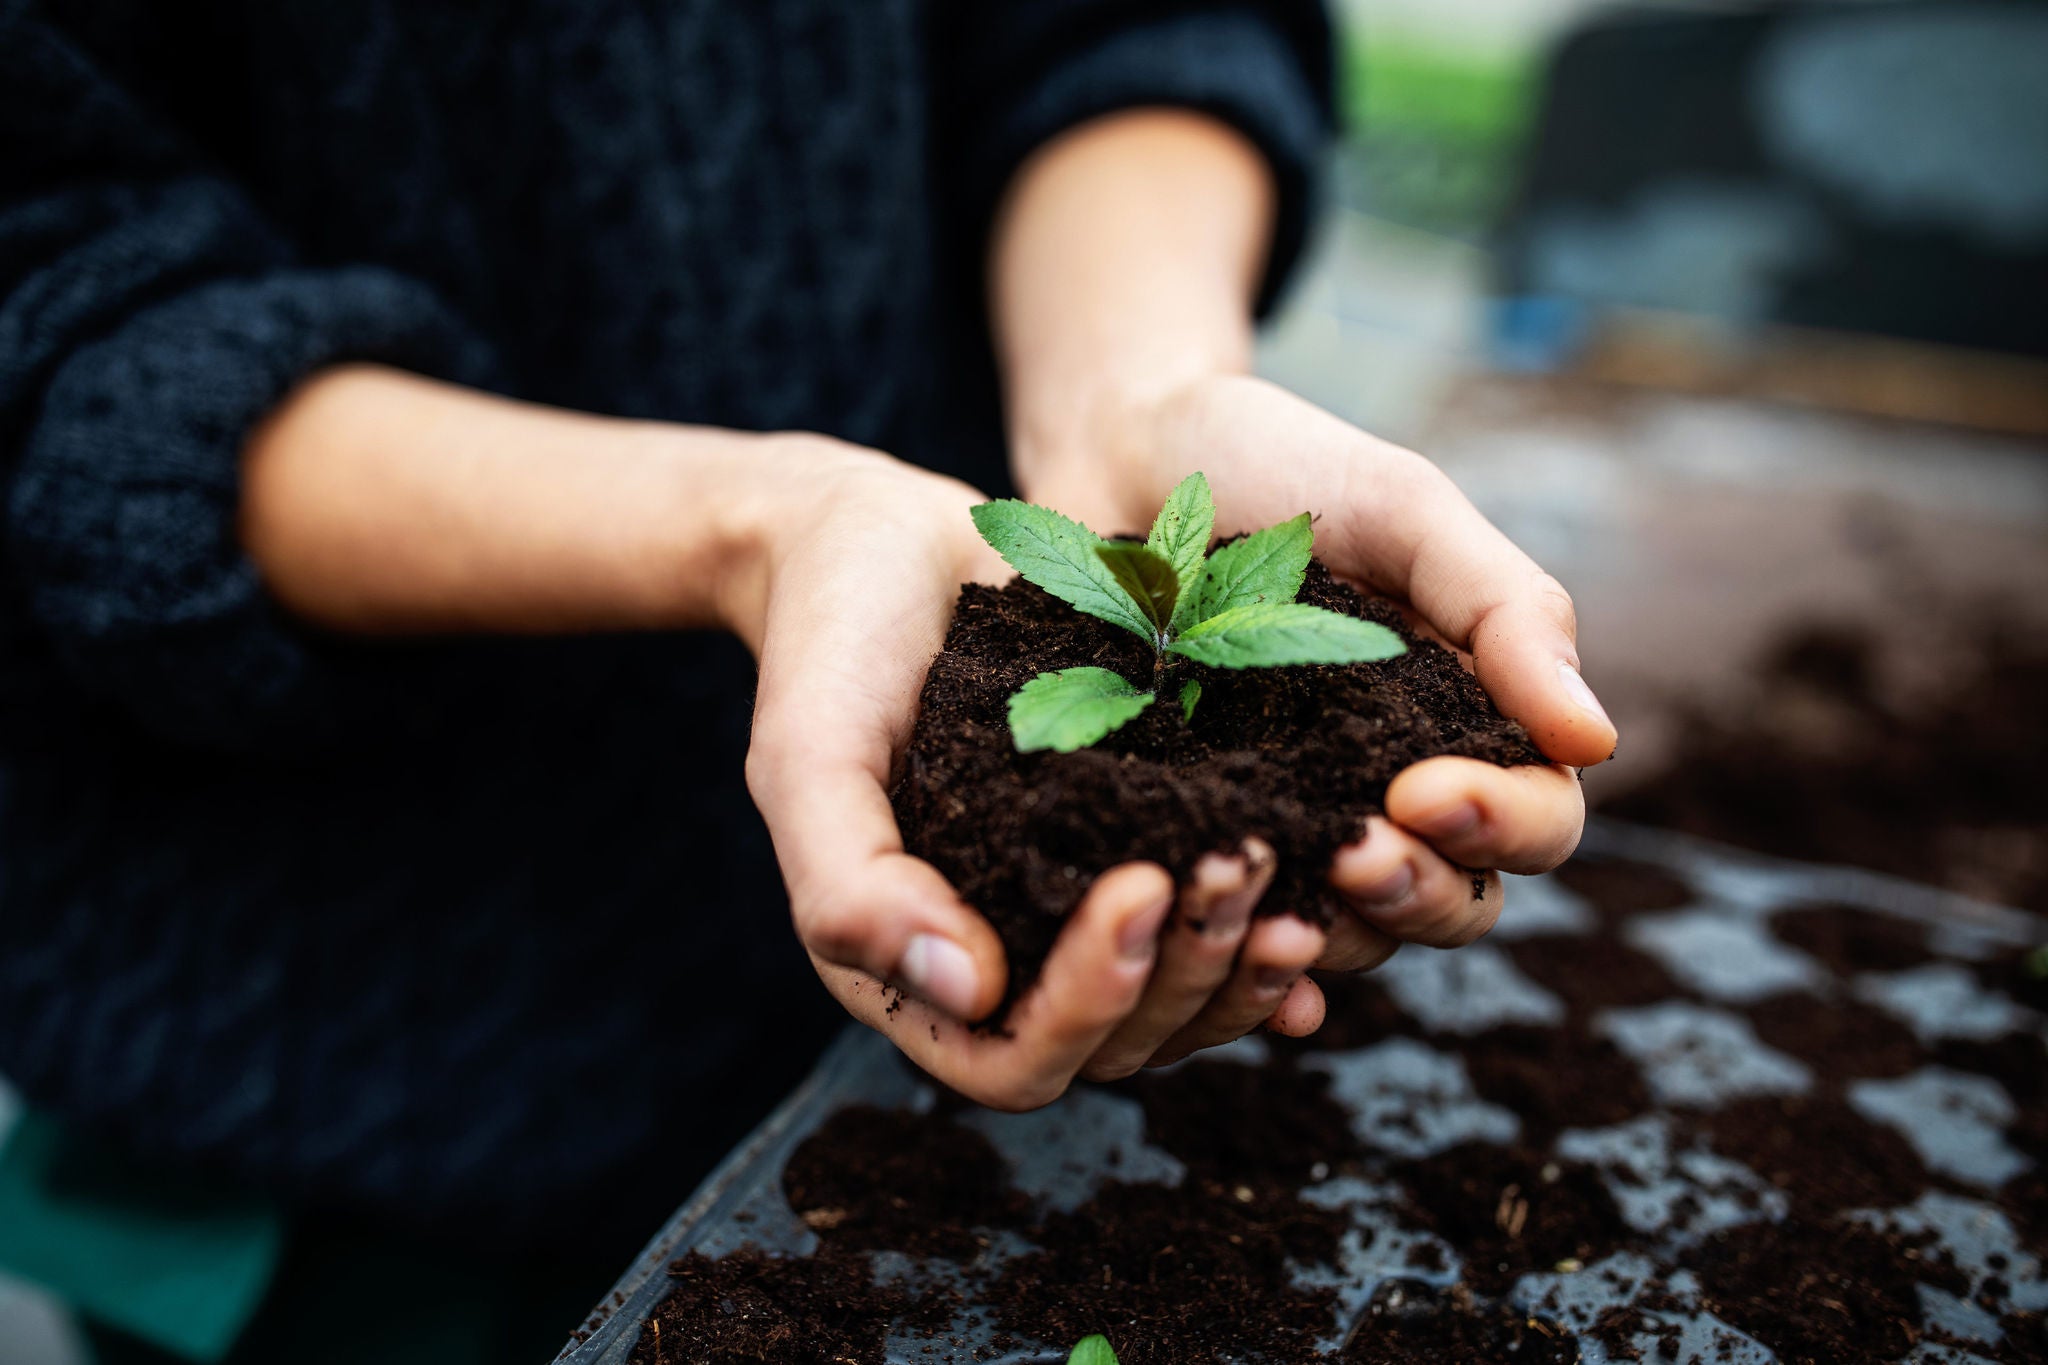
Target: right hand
(845, 599)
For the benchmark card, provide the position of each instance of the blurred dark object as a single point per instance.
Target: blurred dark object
(1875, 167)
(1843, 371)
(1820, 762)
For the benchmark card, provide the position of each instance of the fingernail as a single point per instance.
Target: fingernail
(1348, 858)
(1269, 982)
(1389, 890)
(1138, 940)
(1450, 823)
(1581, 695)
(1230, 915)
(940, 971)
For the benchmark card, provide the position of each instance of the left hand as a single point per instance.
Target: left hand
(1392, 522)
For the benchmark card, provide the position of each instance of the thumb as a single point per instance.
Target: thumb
(1527, 658)
(1418, 537)
(858, 900)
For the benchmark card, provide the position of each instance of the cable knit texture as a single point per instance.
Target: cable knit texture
(466, 932)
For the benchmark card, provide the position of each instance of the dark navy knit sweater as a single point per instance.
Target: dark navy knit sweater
(469, 931)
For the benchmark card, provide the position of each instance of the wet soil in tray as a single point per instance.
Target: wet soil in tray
(1242, 1259)
(1826, 764)
(1299, 757)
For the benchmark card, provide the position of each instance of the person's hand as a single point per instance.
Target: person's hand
(845, 599)
(1392, 522)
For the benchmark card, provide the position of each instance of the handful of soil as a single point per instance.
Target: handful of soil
(1296, 756)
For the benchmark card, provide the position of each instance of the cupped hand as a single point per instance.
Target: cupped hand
(845, 601)
(1391, 521)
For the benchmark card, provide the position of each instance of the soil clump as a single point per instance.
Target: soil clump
(1298, 757)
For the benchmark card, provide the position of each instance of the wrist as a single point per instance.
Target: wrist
(768, 506)
(1123, 269)
(1099, 448)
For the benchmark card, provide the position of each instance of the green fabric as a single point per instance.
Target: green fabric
(167, 1259)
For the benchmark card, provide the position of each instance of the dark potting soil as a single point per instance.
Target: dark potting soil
(1823, 765)
(1201, 1272)
(1269, 1126)
(2017, 1061)
(1173, 1276)
(1554, 1078)
(2017, 973)
(1837, 1038)
(1617, 887)
(1512, 1210)
(1820, 1292)
(1825, 1155)
(1848, 940)
(873, 1178)
(1410, 1322)
(1298, 757)
(750, 1309)
(1591, 973)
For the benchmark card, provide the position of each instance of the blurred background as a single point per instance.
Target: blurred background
(1733, 316)
(1736, 318)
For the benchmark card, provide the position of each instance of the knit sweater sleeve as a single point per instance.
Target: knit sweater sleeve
(1011, 74)
(149, 318)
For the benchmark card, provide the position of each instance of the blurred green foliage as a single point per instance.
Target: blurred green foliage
(1433, 136)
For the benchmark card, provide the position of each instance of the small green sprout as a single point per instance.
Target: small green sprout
(1093, 1351)
(1231, 609)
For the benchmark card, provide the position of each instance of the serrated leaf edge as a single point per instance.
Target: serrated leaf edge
(1235, 619)
(1092, 569)
(1267, 544)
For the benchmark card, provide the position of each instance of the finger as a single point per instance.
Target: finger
(1409, 531)
(856, 898)
(834, 704)
(1301, 1012)
(1355, 946)
(1405, 889)
(1275, 954)
(1525, 819)
(1195, 957)
(1094, 977)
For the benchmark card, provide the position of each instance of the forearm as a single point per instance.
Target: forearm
(377, 502)
(1125, 261)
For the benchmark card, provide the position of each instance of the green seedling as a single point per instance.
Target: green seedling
(1231, 609)
(1092, 1351)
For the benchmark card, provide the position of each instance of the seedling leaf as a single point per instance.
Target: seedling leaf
(1275, 634)
(1190, 693)
(1149, 578)
(1058, 554)
(1180, 535)
(1093, 1351)
(1071, 709)
(1266, 567)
